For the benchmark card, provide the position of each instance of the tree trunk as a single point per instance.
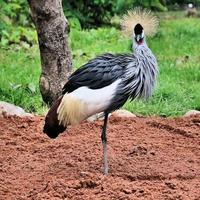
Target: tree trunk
(52, 28)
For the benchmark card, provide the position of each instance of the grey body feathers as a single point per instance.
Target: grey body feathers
(137, 71)
(139, 78)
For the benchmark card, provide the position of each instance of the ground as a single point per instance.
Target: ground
(149, 158)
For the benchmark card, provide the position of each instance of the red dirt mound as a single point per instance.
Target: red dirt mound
(149, 158)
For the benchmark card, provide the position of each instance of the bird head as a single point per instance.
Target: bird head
(52, 127)
(138, 34)
(138, 21)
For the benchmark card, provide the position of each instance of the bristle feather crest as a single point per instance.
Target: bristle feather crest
(144, 17)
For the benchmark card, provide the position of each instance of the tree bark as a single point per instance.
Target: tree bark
(52, 28)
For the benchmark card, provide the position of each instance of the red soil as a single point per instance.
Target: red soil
(149, 158)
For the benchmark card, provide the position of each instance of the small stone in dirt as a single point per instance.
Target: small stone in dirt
(126, 191)
(84, 174)
(140, 193)
(10, 109)
(117, 113)
(192, 112)
(98, 116)
(152, 153)
(138, 151)
(170, 185)
(11, 143)
(75, 184)
(88, 184)
(24, 125)
(123, 113)
(191, 161)
(196, 121)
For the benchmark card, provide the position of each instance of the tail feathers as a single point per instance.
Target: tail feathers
(52, 126)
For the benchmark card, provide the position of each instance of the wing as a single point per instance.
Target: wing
(99, 72)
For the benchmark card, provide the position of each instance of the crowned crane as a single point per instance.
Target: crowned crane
(106, 82)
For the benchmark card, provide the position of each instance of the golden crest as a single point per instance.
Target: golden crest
(141, 16)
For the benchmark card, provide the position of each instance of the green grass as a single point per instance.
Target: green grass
(19, 75)
(176, 47)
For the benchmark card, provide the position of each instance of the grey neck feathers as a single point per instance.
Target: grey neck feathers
(141, 76)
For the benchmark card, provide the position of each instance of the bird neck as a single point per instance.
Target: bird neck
(144, 76)
(142, 52)
(137, 47)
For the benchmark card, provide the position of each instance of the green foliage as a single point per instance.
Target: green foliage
(19, 75)
(15, 25)
(18, 37)
(176, 47)
(123, 5)
(93, 13)
(183, 2)
(14, 12)
(95, 42)
(89, 13)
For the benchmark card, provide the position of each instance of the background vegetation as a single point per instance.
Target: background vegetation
(176, 47)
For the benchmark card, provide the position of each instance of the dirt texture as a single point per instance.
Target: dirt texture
(149, 158)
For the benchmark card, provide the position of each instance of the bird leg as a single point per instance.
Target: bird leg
(104, 142)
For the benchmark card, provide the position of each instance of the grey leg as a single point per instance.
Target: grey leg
(104, 142)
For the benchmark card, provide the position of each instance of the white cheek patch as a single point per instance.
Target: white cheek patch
(142, 33)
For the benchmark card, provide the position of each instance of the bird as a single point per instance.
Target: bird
(106, 82)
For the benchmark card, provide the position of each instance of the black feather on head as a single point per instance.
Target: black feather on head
(138, 29)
